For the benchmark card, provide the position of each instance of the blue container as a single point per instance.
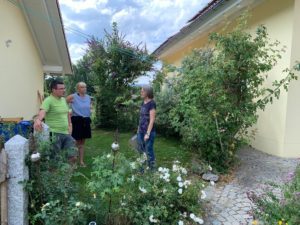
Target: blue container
(8, 130)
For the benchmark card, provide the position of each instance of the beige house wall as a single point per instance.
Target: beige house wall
(278, 126)
(277, 16)
(291, 144)
(21, 72)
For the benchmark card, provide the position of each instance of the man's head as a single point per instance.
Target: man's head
(57, 88)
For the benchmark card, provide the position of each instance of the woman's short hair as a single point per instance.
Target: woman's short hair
(79, 84)
(149, 91)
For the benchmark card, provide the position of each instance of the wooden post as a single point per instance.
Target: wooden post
(3, 187)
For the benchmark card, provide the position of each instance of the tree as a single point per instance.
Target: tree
(114, 64)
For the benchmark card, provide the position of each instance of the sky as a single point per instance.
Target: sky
(149, 22)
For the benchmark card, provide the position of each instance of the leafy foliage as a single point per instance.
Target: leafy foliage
(115, 64)
(128, 190)
(52, 193)
(218, 92)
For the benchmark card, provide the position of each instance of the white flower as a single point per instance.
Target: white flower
(183, 170)
(123, 203)
(132, 178)
(179, 178)
(152, 220)
(108, 156)
(142, 189)
(164, 190)
(203, 185)
(180, 190)
(35, 157)
(160, 169)
(175, 168)
(209, 168)
(44, 206)
(78, 204)
(94, 195)
(186, 183)
(133, 166)
(176, 161)
(192, 215)
(212, 183)
(199, 220)
(180, 184)
(203, 194)
(180, 222)
(184, 214)
(115, 146)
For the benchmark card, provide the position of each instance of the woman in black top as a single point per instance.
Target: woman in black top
(146, 129)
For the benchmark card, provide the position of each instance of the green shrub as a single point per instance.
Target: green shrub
(165, 101)
(218, 92)
(53, 195)
(130, 192)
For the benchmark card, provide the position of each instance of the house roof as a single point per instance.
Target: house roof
(207, 17)
(45, 22)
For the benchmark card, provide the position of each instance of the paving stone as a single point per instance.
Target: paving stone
(210, 177)
(216, 222)
(229, 204)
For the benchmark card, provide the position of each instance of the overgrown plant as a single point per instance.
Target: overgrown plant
(115, 63)
(53, 195)
(167, 196)
(285, 210)
(130, 193)
(219, 91)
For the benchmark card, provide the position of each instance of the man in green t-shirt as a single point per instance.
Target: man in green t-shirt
(55, 111)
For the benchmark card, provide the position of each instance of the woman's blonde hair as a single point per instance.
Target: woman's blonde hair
(79, 84)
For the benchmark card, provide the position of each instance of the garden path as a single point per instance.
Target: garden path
(228, 203)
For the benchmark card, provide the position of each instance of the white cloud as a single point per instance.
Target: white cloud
(124, 15)
(68, 23)
(77, 51)
(107, 11)
(79, 5)
(149, 22)
(154, 21)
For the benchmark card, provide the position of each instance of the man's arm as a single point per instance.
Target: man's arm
(70, 122)
(38, 121)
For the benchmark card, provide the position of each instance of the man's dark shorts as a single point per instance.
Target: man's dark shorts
(63, 142)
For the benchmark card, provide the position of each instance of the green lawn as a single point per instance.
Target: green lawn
(166, 149)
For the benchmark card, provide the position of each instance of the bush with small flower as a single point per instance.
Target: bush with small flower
(53, 194)
(131, 192)
(281, 210)
(54, 213)
(165, 196)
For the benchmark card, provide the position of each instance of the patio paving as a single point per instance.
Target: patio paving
(228, 203)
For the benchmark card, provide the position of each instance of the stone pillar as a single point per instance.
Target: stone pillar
(17, 149)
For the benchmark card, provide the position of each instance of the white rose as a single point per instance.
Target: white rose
(180, 222)
(152, 220)
(192, 215)
(143, 190)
